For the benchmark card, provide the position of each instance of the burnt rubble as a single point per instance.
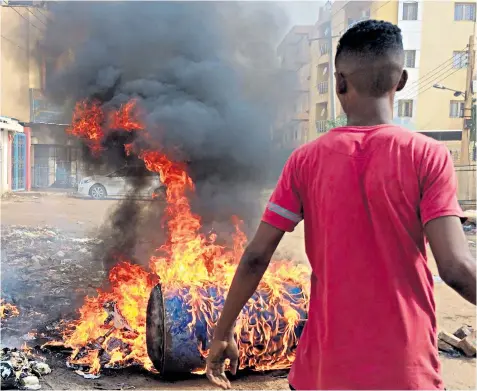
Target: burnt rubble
(20, 371)
(46, 273)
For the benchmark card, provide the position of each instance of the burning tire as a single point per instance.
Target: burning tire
(98, 192)
(175, 348)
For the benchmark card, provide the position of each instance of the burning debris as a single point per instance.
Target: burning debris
(105, 352)
(194, 109)
(8, 310)
(19, 371)
(194, 271)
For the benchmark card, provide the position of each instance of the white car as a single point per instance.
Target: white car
(118, 184)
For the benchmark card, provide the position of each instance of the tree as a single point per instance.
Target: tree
(336, 123)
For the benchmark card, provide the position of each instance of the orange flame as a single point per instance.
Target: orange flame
(88, 119)
(8, 310)
(111, 329)
(126, 118)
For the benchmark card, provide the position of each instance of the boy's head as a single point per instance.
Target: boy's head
(369, 62)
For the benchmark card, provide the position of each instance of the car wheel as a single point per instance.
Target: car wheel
(98, 192)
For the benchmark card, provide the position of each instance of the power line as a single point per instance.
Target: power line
(407, 94)
(430, 83)
(428, 88)
(25, 19)
(449, 75)
(36, 17)
(396, 105)
(13, 43)
(436, 69)
(41, 13)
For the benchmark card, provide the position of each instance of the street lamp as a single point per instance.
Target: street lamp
(456, 93)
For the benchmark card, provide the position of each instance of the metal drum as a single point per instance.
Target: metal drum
(173, 346)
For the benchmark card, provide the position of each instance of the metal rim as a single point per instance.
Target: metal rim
(98, 192)
(155, 329)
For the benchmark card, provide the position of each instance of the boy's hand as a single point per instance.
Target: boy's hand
(218, 353)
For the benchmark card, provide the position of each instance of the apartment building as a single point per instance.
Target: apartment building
(292, 127)
(435, 34)
(333, 20)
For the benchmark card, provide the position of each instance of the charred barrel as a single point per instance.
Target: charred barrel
(175, 347)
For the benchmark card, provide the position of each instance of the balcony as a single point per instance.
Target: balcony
(323, 87)
(300, 116)
(321, 126)
(324, 48)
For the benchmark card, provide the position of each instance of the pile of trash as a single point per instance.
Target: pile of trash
(18, 371)
(462, 342)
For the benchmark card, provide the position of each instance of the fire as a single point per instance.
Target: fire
(88, 119)
(111, 328)
(8, 310)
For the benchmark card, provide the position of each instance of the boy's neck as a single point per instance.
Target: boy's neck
(371, 112)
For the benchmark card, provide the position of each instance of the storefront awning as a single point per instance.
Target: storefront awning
(10, 124)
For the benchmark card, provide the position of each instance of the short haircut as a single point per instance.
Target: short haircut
(372, 53)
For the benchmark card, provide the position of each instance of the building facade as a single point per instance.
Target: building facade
(19, 71)
(49, 158)
(435, 37)
(14, 156)
(292, 126)
(333, 20)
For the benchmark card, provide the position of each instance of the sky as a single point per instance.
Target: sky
(301, 12)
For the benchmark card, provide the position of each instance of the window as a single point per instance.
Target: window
(321, 126)
(409, 11)
(464, 11)
(460, 59)
(351, 21)
(456, 109)
(405, 108)
(324, 48)
(323, 87)
(410, 58)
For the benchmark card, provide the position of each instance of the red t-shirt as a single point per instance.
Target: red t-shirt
(365, 194)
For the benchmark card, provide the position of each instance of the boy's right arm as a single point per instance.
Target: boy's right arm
(440, 215)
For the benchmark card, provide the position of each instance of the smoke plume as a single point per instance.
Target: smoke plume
(204, 75)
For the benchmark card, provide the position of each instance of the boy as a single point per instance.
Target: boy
(372, 322)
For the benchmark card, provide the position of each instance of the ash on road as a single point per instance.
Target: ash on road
(47, 269)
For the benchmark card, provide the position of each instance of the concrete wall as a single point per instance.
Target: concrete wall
(5, 161)
(19, 70)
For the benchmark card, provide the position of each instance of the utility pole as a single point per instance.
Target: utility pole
(465, 144)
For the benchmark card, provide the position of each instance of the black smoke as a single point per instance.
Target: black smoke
(205, 76)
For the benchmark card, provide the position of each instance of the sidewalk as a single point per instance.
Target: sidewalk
(39, 192)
